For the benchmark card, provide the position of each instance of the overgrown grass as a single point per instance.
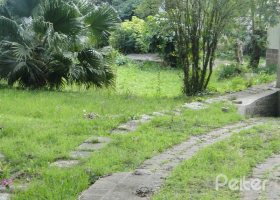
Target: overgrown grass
(150, 79)
(234, 158)
(30, 144)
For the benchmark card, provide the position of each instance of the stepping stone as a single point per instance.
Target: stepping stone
(195, 106)
(65, 163)
(4, 196)
(145, 118)
(214, 100)
(80, 154)
(91, 146)
(98, 140)
(158, 114)
(177, 112)
(3, 189)
(20, 187)
(132, 125)
(225, 109)
(2, 157)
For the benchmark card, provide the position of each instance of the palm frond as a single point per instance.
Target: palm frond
(11, 30)
(58, 69)
(92, 69)
(102, 21)
(64, 17)
(18, 66)
(84, 6)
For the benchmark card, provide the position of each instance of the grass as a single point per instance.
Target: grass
(234, 157)
(148, 79)
(40, 127)
(30, 144)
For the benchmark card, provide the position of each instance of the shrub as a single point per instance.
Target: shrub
(153, 35)
(121, 60)
(161, 38)
(228, 71)
(129, 37)
(269, 69)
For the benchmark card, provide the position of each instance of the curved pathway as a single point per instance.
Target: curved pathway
(269, 173)
(149, 177)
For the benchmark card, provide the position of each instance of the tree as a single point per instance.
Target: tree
(49, 43)
(125, 8)
(261, 15)
(198, 25)
(148, 8)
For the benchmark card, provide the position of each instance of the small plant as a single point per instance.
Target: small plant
(269, 69)
(229, 71)
(121, 60)
(7, 183)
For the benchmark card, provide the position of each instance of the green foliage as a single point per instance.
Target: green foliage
(198, 25)
(251, 27)
(130, 37)
(54, 45)
(121, 60)
(148, 8)
(152, 35)
(125, 8)
(269, 69)
(161, 38)
(229, 71)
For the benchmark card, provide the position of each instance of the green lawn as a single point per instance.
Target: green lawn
(125, 153)
(40, 127)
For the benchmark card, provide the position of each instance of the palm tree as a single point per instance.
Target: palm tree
(48, 43)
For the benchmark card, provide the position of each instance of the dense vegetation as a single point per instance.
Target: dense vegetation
(54, 42)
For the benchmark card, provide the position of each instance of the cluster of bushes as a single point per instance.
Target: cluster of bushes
(233, 70)
(154, 35)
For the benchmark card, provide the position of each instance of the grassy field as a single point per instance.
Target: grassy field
(235, 158)
(32, 146)
(148, 79)
(39, 127)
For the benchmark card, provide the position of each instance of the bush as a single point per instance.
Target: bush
(129, 38)
(228, 71)
(161, 38)
(121, 60)
(269, 69)
(154, 35)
